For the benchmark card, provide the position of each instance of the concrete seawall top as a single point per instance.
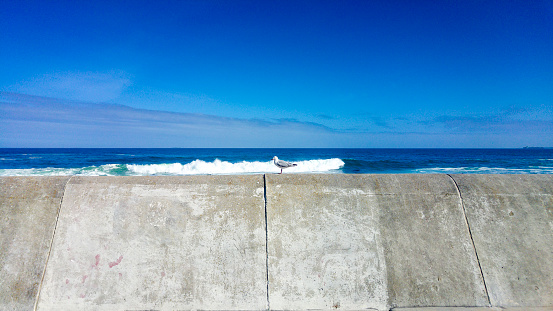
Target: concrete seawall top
(279, 242)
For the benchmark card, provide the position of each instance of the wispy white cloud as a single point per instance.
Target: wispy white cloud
(515, 120)
(83, 86)
(75, 123)
(36, 121)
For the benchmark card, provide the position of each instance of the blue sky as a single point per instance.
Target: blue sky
(397, 74)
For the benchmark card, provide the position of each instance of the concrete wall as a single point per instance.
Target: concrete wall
(28, 211)
(279, 242)
(511, 219)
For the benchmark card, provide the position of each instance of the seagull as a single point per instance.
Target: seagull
(283, 164)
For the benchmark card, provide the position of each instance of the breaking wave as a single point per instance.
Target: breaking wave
(196, 167)
(199, 167)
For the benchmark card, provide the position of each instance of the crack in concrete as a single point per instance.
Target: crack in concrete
(471, 238)
(266, 241)
(51, 245)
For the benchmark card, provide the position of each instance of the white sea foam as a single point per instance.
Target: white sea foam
(199, 167)
(103, 170)
(38, 172)
(486, 170)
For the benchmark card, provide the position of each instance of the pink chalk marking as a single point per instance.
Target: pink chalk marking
(162, 274)
(83, 295)
(120, 274)
(66, 281)
(84, 278)
(97, 261)
(115, 263)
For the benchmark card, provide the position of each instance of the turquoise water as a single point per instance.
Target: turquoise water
(143, 162)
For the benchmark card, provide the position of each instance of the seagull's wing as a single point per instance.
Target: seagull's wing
(284, 164)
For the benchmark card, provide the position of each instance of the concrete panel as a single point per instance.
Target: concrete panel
(429, 254)
(511, 219)
(164, 243)
(325, 248)
(369, 241)
(28, 212)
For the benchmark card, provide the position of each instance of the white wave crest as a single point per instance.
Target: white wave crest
(486, 170)
(103, 170)
(38, 172)
(199, 167)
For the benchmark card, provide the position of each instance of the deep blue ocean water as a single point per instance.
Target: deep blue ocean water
(139, 162)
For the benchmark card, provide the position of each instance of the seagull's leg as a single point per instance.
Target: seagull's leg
(280, 171)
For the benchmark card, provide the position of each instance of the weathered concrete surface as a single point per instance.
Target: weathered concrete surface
(475, 309)
(28, 212)
(511, 218)
(369, 241)
(164, 243)
(347, 241)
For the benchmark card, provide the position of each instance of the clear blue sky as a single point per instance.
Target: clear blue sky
(276, 73)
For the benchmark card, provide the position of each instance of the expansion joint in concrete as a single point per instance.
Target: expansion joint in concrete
(266, 240)
(51, 244)
(471, 238)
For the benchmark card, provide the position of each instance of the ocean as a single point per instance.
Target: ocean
(176, 161)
